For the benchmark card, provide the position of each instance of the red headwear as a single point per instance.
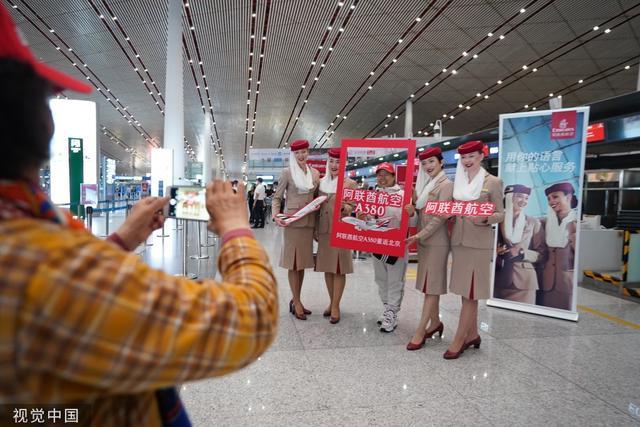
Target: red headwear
(471, 147)
(12, 47)
(386, 167)
(565, 187)
(517, 188)
(299, 144)
(334, 153)
(430, 152)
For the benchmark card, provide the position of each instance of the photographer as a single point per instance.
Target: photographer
(86, 322)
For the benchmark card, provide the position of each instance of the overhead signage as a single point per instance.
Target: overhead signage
(595, 132)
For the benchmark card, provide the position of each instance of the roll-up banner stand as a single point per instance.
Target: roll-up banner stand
(541, 163)
(380, 221)
(74, 151)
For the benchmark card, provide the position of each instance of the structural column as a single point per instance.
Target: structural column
(408, 119)
(174, 98)
(206, 162)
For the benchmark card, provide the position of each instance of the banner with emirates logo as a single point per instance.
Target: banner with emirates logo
(563, 124)
(541, 162)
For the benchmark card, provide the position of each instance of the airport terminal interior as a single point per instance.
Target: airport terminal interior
(545, 92)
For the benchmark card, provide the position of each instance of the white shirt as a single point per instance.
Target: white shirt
(260, 192)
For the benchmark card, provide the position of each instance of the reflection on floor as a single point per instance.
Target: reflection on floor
(530, 370)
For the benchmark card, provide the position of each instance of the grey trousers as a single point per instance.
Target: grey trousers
(390, 281)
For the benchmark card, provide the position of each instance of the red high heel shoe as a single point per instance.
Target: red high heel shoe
(439, 329)
(334, 320)
(449, 355)
(292, 310)
(473, 343)
(303, 308)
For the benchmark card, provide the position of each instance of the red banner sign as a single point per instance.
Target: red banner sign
(454, 208)
(564, 124)
(380, 222)
(595, 132)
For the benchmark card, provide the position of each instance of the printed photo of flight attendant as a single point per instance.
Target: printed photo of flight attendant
(335, 263)
(433, 244)
(560, 235)
(299, 182)
(472, 243)
(521, 245)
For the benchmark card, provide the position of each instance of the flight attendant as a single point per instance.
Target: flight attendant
(472, 243)
(560, 236)
(335, 263)
(299, 182)
(521, 244)
(433, 244)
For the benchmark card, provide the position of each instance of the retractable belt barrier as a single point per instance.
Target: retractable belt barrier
(90, 211)
(614, 280)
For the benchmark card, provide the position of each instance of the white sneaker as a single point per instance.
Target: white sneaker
(389, 322)
(381, 317)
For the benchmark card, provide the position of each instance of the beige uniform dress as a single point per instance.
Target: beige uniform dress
(434, 244)
(297, 247)
(472, 243)
(330, 259)
(557, 278)
(518, 279)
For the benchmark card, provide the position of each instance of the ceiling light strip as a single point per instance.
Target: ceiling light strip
(421, 91)
(324, 38)
(574, 87)
(582, 43)
(200, 65)
(132, 47)
(389, 53)
(112, 99)
(322, 67)
(263, 43)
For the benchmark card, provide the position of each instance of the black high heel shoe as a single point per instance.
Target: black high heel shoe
(292, 310)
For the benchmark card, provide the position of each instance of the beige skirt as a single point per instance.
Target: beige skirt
(432, 269)
(297, 248)
(471, 272)
(332, 260)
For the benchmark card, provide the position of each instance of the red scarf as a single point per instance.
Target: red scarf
(20, 199)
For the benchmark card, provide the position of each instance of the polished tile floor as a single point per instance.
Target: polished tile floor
(529, 371)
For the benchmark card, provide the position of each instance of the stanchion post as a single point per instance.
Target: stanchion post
(200, 255)
(163, 234)
(184, 252)
(106, 219)
(89, 218)
(206, 239)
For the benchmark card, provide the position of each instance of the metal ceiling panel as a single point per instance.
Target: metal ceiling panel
(294, 31)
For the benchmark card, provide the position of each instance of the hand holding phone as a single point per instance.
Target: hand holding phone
(146, 216)
(227, 209)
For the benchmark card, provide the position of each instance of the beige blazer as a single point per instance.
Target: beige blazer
(558, 268)
(294, 199)
(433, 229)
(523, 275)
(477, 232)
(325, 213)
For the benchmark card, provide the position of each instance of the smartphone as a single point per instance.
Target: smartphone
(187, 202)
